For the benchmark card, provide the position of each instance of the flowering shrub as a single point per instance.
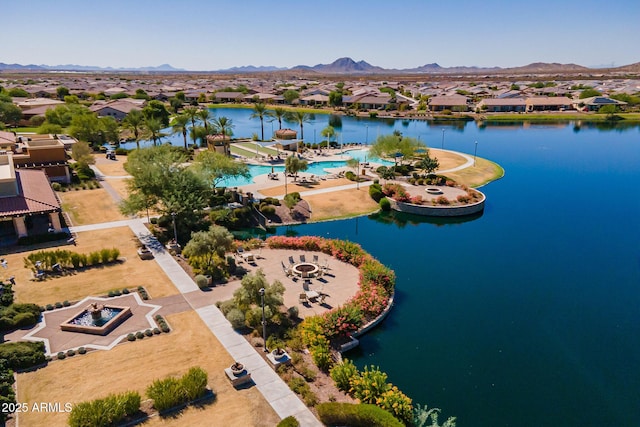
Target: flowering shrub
(342, 374)
(442, 200)
(463, 198)
(342, 320)
(396, 402)
(416, 200)
(369, 385)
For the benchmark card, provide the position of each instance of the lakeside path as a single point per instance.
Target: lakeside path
(278, 394)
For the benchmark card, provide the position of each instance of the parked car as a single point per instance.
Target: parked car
(111, 154)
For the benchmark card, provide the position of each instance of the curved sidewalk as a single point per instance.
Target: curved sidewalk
(273, 388)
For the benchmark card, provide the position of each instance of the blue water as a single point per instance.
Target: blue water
(528, 315)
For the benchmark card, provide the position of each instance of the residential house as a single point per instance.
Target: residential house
(228, 96)
(45, 152)
(551, 103)
(595, 103)
(449, 102)
(118, 109)
(502, 105)
(27, 202)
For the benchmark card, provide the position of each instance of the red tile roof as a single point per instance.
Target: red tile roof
(34, 195)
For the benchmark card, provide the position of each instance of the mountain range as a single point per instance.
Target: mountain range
(339, 66)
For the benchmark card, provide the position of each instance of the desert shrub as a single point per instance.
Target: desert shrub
(300, 386)
(166, 393)
(66, 303)
(290, 421)
(18, 315)
(267, 209)
(397, 403)
(125, 291)
(105, 255)
(342, 374)
(71, 352)
(94, 258)
(82, 350)
(56, 186)
(355, 415)
(350, 176)
(61, 355)
(165, 329)
(131, 337)
(194, 383)
(202, 281)
(139, 335)
(156, 331)
(463, 198)
(114, 254)
(49, 307)
(58, 304)
(236, 318)
(442, 200)
(148, 333)
(293, 312)
(105, 412)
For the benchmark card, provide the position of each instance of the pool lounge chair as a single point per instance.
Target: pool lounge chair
(291, 261)
(302, 298)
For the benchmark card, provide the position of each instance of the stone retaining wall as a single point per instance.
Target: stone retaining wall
(441, 211)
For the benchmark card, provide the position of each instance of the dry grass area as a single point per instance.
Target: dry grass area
(90, 206)
(120, 185)
(446, 159)
(95, 281)
(332, 205)
(134, 366)
(294, 186)
(111, 167)
(482, 173)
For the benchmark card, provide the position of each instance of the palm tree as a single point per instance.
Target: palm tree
(224, 126)
(179, 125)
(328, 132)
(154, 126)
(278, 114)
(205, 116)
(293, 164)
(192, 114)
(300, 118)
(260, 111)
(135, 121)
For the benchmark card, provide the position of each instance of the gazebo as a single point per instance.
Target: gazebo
(218, 143)
(287, 139)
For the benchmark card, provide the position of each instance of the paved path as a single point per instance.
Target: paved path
(273, 388)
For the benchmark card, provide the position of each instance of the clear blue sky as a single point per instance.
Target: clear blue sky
(215, 34)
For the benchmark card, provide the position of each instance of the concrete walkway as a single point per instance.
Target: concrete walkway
(275, 391)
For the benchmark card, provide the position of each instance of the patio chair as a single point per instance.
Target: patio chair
(287, 270)
(315, 260)
(240, 250)
(321, 298)
(325, 266)
(302, 258)
(302, 298)
(291, 260)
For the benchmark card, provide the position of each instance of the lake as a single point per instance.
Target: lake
(528, 315)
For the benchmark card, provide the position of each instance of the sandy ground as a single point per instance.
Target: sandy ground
(90, 206)
(483, 172)
(292, 186)
(94, 281)
(135, 365)
(446, 159)
(111, 167)
(332, 205)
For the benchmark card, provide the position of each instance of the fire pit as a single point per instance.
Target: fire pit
(305, 269)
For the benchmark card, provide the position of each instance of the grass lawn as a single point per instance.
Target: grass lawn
(482, 173)
(135, 365)
(90, 206)
(333, 205)
(95, 281)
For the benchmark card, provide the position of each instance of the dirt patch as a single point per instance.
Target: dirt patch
(119, 185)
(135, 365)
(446, 159)
(90, 206)
(111, 167)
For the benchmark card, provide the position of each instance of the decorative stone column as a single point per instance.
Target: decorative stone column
(20, 226)
(54, 218)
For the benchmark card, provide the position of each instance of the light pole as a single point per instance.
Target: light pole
(175, 232)
(264, 322)
(475, 151)
(442, 147)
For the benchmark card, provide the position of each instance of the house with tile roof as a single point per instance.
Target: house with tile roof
(28, 204)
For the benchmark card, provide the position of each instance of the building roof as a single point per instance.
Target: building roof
(34, 195)
(121, 105)
(233, 95)
(448, 100)
(600, 100)
(550, 100)
(7, 138)
(500, 102)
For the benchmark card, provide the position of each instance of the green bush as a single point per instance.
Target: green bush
(56, 186)
(105, 412)
(18, 315)
(355, 415)
(350, 176)
(375, 191)
(369, 385)
(61, 355)
(202, 281)
(236, 318)
(194, 383)
(22, 354)
(290, 421)
(385, 204)
(166, 393)
(94, 258)
(131, 337)
(267, 209)
(105, 255)
(342, 374)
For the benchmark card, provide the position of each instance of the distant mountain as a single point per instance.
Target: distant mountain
(544, 67)
(343, 66)
(252, 69)
(631, 68)
(74, 67)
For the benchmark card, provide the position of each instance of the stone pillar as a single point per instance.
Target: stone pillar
(54, 219)
(19, 226)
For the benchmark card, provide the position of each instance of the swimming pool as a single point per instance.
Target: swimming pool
(315, 168)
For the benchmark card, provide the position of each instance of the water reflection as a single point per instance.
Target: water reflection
(402, 219)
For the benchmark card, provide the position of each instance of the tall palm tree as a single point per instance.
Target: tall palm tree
(154, 126)
(205, 116)
(135, 122)
(278, 114)
(300, 118)
(260, 112)
(224, 126)
(192, 113)
(179, 125)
